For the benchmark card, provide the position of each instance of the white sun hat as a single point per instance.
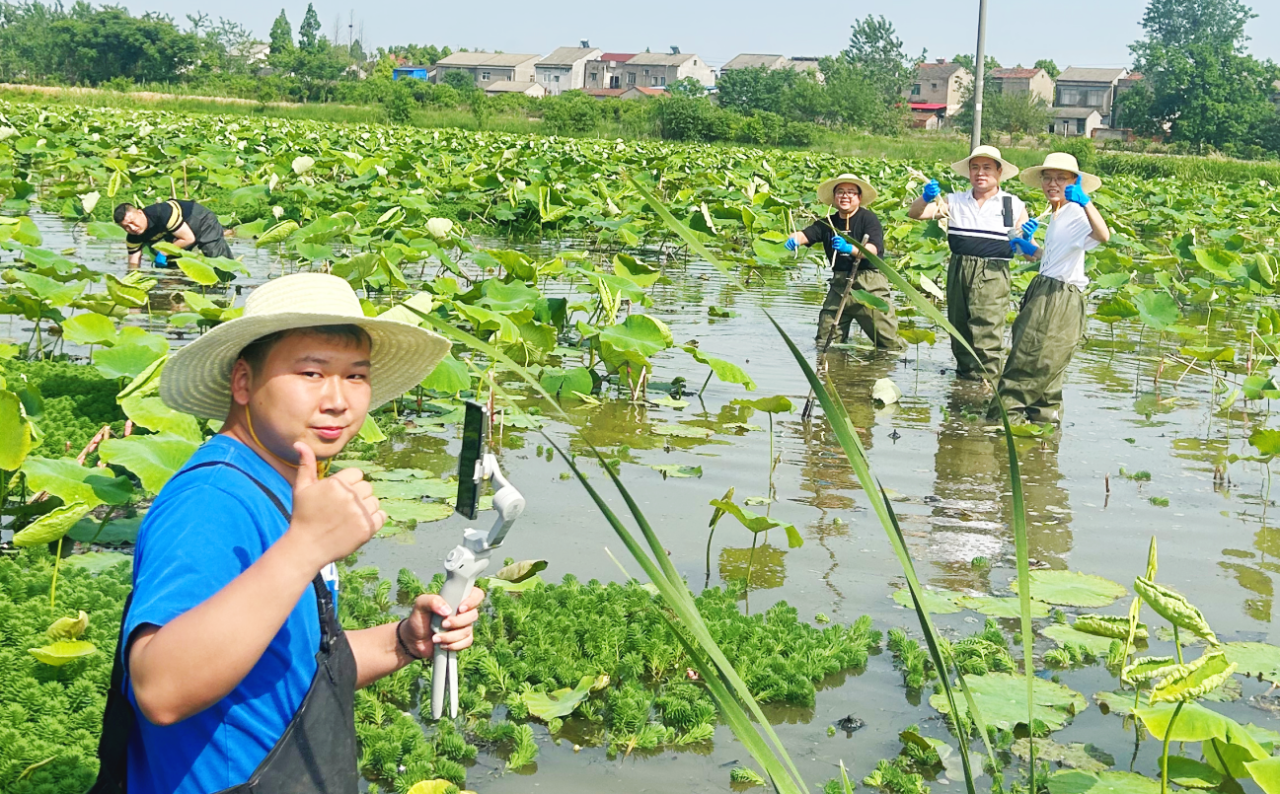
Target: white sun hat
(197, 378)
(1061, 161)
(1007, 169)
(826, 191)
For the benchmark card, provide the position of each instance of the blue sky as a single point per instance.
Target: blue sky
(1078, 32)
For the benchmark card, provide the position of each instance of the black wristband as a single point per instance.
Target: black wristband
(403, 646)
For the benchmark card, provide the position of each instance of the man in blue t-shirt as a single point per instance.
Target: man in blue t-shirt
(224, 639)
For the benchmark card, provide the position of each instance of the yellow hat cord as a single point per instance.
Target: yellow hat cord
(322, 468)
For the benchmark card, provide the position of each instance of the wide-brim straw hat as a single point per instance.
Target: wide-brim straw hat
(1061, 161)
(826, 191)
(197, 378)
(1007, 169)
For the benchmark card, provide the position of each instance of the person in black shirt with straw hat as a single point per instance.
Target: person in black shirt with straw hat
(850, 195)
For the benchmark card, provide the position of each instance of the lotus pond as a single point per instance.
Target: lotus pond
(668, 365)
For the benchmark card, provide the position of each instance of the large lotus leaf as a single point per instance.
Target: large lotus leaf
(634, 340)
(1189, 773)
(1003, 607)
(563, 383)
(1072, 589)
(1120, 702)
(276, 234)
(1265, 440)
(777, 404)
(1077, 781)
(1266, 774)
(676, 470)
(681, 431)
(504, 326)
(105, 230)
(95, 562)
(414, 488)
(59, 653)
(414, 511)
(1174, 607)
(422, 301)
(561, 703)
(126, 360)
(90, 329)
(154, 459)
(128, 292)
(1075, 756)
(1064, 634)
(117, 531)
(47, 289)
(68, 628)
(935, 603)
(758, 524)
(71, 482)
(1002, 698)
(431, 787)
(153, 414)
(508, 298)
(724, 370)
(1195, 723)
(449, 377)
(1255, 658)
(1185, 682)
(52, 525)
(916, 336)
(15, 432)
(1156, 309)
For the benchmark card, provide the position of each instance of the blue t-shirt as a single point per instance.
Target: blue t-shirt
(203, 530)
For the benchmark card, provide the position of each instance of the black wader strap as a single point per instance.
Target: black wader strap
(118, 716)
(1008, 212)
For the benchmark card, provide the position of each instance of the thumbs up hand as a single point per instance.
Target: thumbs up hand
(333, 516)
(1075, 193)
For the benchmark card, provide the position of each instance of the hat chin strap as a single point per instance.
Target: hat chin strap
(322, 469)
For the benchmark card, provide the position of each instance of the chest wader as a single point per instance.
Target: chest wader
(1050, 324)
(977, 302)
(317, 751)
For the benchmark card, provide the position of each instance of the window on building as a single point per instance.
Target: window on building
(915, 90)
(557, 78)
(646, 72)
(593, 77)
(1052, 129)
(631, 78)
(484, 76)
(933, 86)
(1069, 97)
(1097, 97)
(663, 79)
(1079, 126)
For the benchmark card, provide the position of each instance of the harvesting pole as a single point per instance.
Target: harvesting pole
(979, 72)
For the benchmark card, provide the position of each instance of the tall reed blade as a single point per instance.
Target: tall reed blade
(682, 231)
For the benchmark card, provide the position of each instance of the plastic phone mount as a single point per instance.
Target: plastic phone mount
(463, 565)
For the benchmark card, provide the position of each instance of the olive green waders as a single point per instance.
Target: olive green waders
(880, 327)
(1049, 326)
(977, 302)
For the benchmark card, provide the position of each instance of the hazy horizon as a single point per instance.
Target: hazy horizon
(945, 29)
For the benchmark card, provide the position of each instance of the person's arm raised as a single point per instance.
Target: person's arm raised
(196, 659)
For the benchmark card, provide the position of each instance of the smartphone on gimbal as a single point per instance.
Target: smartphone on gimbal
(474, 426)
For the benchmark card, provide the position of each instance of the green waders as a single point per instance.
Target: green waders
(208, 233)
(880, 327)
(1049, 326)
(977, 302)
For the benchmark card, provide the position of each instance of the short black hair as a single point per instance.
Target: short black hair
(255, 353)
(122, 210)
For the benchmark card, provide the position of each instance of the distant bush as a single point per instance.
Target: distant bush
(571, 113)
(1082, 149)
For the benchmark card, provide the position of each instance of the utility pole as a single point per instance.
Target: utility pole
(980, 71)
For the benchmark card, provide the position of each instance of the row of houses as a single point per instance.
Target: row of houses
(590, 69)
(1082, 99)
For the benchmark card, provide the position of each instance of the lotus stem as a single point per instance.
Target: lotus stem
(751, 558)
(53, 587)
(1164, 756)
(1177, 643)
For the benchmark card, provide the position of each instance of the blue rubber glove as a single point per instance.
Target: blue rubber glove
(931, 190)
(841, 245)
(1029, 228)
(1021, 245)
(1075, 193)
(161, 260)
(791, 244)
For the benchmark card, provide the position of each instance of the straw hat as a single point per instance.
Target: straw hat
(1007, 169)
(197, 378)
(827, 189)
(1061, 161)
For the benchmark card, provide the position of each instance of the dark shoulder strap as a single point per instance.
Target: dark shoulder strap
(1008, 211)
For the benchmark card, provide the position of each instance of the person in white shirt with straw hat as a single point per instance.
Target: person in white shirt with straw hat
(233, 673)
(1051, 320)
(850, 195)
(978, 280)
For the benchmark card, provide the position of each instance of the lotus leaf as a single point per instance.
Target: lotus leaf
(1186, 682)
(129, 292)
(68, 628)
(1063, 634)
(1255, 658)
(96, 562)
(71, 482)
(565, 383)
(1156, 309)
(677, 470)
(1002, 607)
(1173, 607)
(449, 377)
(1112, 626)
(413, 511)
(120, 530)
(52, 525)
(431, 787)
(1086, 757)
(90, 329)
(935, 602)
(413, 488)
(1002, 698)
(517, 572)
(15, 432)
(276, 234)
(1078, 781)
(681, 431)
(1190, 773)
(561, 703)
(758, 524)
(1266, 773)
(633, 341)
(154, 459)
(1147, 668)
(126, 360)
(1072, 589)
(886, 392)
(105, 230)
(153, 414)
(60, 653)
(777, 404)
(726, 371)
(915, 336)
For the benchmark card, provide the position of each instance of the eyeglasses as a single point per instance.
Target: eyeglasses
(854, 192)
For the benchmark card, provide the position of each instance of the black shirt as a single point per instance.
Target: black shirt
(862, 222)
(162, 221)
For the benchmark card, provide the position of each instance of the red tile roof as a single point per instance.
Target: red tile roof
(617, 56)
(928, 105)
(651, 91)
(603, 92)
(1014, 72)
